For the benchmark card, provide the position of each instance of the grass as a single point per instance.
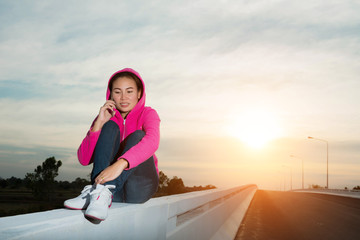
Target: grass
(21, 201)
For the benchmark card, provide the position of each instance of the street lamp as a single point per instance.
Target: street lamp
(327, 159)
(290, 177)
(282, 181)
(302, 166)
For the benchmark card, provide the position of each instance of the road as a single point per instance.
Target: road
(295, 215)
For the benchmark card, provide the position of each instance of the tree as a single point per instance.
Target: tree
(14, 182)
(175, 186)
(3, 183)
(80, 183)
(315, 186)
(42, 181)
(163, 180)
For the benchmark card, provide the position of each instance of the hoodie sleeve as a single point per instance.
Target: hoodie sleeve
(87, 146)
(148, 144)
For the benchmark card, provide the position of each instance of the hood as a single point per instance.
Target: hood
(140, 105)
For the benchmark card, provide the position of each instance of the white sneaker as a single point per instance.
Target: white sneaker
(100, 202)
(81, 201)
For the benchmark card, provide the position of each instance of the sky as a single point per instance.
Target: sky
(238, 85)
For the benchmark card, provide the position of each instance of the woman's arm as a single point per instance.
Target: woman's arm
(87, 146)
(148, 144)
(111, 172)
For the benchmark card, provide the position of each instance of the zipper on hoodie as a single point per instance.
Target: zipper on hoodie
(124, 130)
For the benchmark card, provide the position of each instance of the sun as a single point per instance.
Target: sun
(256, 128)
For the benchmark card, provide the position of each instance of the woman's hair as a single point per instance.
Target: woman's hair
(129, 75)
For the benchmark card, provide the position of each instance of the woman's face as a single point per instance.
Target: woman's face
(125, 94)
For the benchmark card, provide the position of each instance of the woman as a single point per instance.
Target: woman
(121, 144)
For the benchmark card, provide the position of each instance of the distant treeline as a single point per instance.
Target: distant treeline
(18, 183)
(167, 186)
(39, 191)
(316, 186)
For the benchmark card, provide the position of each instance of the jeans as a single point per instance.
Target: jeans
(136, 185)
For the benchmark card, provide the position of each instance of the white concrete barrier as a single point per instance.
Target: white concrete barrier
(211, 214)
(336, 192)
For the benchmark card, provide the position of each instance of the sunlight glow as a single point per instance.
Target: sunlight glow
(256, 128)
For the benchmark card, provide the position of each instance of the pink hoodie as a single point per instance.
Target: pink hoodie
(140, 118)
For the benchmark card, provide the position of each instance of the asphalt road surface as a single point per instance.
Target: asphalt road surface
(295, 215)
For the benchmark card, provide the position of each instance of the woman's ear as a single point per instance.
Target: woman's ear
(139, 94)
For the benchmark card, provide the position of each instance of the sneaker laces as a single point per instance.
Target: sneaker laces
(101, 191)
(86, 189)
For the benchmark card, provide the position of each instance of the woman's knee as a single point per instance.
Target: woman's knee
(110, 126)
(133, 139)
(109, 140)
(110, 130)
(138, 134)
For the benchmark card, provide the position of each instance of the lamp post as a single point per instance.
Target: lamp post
(290, 177)
(282, 181)
(302, 168)
(327, 159)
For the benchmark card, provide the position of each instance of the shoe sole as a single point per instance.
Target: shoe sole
(75, 208)
(93, 217)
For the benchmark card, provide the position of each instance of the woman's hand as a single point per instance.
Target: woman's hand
(106, 112)
(111, 172)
